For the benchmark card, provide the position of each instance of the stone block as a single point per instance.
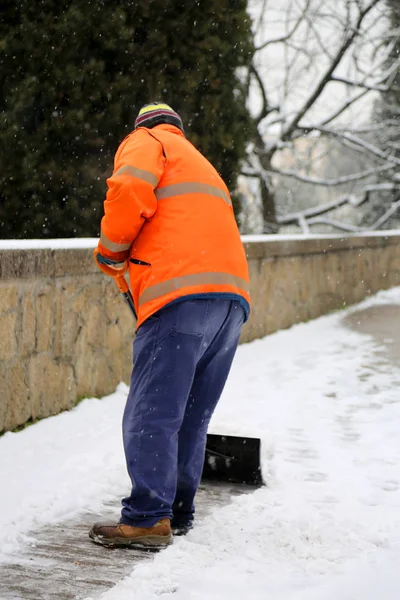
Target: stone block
(103, 378)
(96, 326)
(44, 318)
(112, 302)
(27, 334)
(113, 339)
(58, 315)
(23, 264)
(120, 366)
(83, 295)
(67, 322)
(8, 297)
(68, 387)
(19, 408)
(75, 261)
(77, 308)
(4, 394)
(51, 385)
(84, 362)
(8, 340)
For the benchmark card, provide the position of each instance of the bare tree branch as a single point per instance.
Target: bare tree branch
(356, 142)
(353, 228)
(310, 20)
(306, 218)
(373, 127)
(376, 88)
(344, 107)
(349, 38)
(284, 38)
(394, 208)
(303, 224)
(262, 11)
(314, 211)
(331, 182)
(265, 109)
(382, 187)
(339, 225)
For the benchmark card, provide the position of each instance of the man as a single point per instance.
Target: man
(169, 213)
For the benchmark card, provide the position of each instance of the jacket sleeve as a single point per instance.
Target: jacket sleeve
(139, 165)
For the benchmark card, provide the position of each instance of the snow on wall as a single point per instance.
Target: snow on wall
(65, 243)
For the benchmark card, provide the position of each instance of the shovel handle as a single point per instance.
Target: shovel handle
(129, 300)
(126, 292)
(118, 274)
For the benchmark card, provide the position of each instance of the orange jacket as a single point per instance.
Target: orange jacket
(169, 211)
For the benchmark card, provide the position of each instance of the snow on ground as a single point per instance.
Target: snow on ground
(325, 402)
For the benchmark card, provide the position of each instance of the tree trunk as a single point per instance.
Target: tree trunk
(267, 189)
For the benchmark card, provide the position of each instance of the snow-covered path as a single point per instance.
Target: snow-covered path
(326, 402)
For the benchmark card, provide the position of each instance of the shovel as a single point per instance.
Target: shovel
(228, 458)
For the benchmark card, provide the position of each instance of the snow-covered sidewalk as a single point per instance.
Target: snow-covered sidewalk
(325, 401)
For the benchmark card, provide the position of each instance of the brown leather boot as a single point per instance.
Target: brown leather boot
(118, 534)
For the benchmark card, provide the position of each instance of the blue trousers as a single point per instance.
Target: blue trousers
(182, 356)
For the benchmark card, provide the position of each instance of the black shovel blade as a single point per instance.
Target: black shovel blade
(234, 459)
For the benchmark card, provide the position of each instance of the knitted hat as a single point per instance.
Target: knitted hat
(157, 113)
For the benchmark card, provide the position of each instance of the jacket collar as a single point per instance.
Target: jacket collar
(170, 128)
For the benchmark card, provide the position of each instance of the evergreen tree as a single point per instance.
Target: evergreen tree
(75, 74)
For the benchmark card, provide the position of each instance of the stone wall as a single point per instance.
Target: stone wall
(66, 333)
(295, 279)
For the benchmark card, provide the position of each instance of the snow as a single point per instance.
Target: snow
(53, 244)
(284, 237)
(61, 243)
(325, 402)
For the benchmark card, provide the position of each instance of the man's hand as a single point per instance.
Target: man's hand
(109, 266)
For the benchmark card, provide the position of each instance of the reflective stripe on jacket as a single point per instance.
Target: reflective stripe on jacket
(170, 212)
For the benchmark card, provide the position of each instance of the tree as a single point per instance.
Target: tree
(332, 60)
(387, 110)
(75, 74)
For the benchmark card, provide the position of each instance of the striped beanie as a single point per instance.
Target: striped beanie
(157, 113)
